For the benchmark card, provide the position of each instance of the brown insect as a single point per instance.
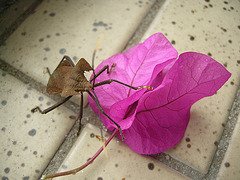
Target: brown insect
(68, 80)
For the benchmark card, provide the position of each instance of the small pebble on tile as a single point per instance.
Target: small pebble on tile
(32, 132)
(224, 30)
(72, 117)
(6, 170)
(47, 49)
(23, 33)
(40, 98)
(26, 178)
(64, 166)
(100, 23)
(9, 153)
(150, 166)
(52, 14)
(37, 171)
(173, 42)
(4, 102)
(92, 135)
(25, 96)
(192, 38)
(75, 58)
(62, 51)
(227, 164)
(209, 54)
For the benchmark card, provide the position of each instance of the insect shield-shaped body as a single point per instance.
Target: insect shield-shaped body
(69, 79)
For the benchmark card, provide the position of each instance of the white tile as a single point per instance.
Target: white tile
(72, 28)
(11, 13)
(28, 141)
(207, 28)
(230, 165)
(122, 162)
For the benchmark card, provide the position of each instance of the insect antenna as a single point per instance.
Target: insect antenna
(94, 54)
(94, 77)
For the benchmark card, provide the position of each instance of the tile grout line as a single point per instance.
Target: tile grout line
(174, 164)
(34, 84)
(178, 166)
(55, 162)
(144, 25)
(169, 161)
(71, 137)
(18, 21)
(219, 153)
(227, 132)
(162, 157)
(225, 138)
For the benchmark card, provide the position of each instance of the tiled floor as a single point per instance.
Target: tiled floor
(29, 141)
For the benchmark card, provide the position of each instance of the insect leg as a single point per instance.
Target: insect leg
(80, 113)
(51, 107)
(94, 97)
(48, 71)
(102, 70)
(109, 81)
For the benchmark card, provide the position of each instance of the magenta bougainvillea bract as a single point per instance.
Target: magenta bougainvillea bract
(155, 120)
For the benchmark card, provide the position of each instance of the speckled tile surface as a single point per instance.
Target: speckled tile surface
(197, 26)
(121, 162)
(12, 12)
(73, 28)
(54, 29)
(230, 165)
(28, 141)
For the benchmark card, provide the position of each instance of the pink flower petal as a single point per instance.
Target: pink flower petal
(137, 67)
(162, 115)
(153, 121)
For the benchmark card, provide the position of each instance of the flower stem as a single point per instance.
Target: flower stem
(74, 171)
